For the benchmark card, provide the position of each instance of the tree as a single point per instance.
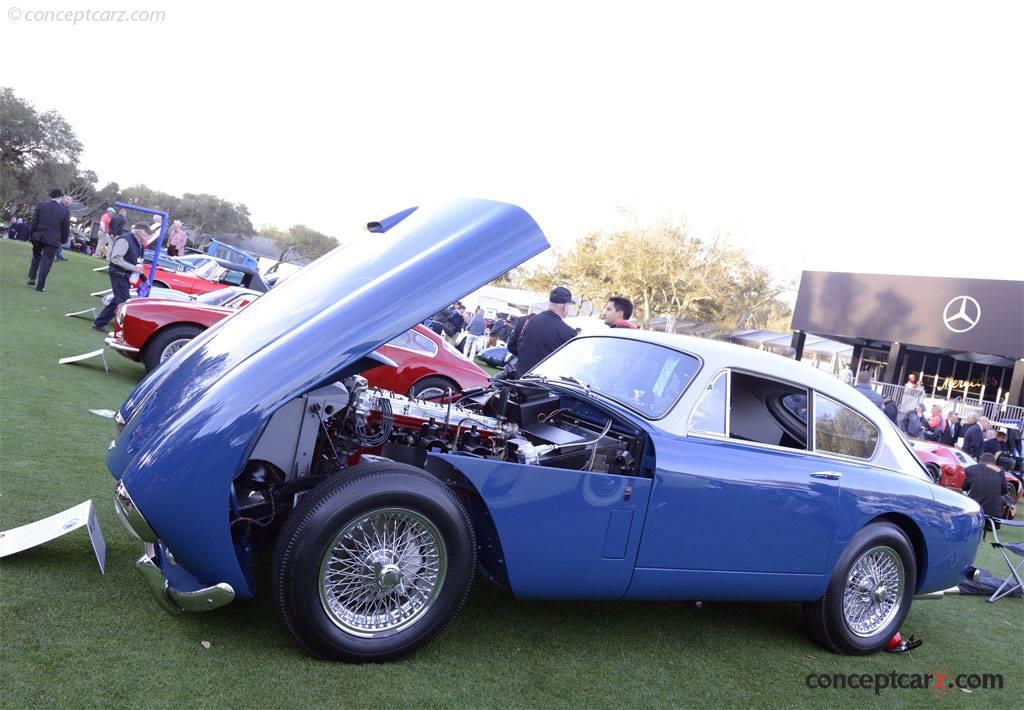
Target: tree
(203, 214)
(666, 271)
(38, 151)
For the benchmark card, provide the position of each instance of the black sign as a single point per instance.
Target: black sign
(964, 315)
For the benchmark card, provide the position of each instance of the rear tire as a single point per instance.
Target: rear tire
(431, 387)
(373, 564)
(934, 471)
(167, 342)
(869, 594)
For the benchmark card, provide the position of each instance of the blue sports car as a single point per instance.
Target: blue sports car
(627, 465)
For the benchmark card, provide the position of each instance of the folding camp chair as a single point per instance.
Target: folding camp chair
(1013, 581)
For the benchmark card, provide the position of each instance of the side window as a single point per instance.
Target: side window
(414, 342)
(709, 414)
(840, 430)
(767, 411)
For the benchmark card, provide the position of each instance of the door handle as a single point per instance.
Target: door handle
(827, 475)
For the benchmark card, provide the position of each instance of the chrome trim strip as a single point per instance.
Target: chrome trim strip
(117, 345)
(785, 449)
(130, 516)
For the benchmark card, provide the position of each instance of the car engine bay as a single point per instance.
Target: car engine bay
(517, 421)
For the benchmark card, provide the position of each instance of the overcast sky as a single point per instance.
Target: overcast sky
(868, 136)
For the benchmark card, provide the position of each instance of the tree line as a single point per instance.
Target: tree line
(662, 268)
(40, 151)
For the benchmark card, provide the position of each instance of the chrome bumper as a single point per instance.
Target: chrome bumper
(118, 345)
(170, 599)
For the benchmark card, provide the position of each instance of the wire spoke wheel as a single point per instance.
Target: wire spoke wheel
(173, 347)
(874, 591)
(382, 572)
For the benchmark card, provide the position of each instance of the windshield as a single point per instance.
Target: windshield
(208, 270)
(645, 377)
(215, 298)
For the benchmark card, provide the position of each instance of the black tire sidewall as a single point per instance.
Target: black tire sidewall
(432, 381)
(315, 523)
(157, 343)
(874, 535)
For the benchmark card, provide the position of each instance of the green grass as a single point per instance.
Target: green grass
(70, 637)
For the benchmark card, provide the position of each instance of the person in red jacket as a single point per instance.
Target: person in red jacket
(618, 312)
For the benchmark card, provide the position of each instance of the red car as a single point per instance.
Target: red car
(947, 467)
(210, 275)
(151, 330)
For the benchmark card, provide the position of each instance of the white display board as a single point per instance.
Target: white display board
(27, 536)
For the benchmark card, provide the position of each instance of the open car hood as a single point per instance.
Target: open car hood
(191, 424)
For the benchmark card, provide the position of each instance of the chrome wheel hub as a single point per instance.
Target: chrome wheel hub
(874, 591)
(382, 572)
(173, 347)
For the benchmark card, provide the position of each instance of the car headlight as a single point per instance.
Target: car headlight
(119, 316)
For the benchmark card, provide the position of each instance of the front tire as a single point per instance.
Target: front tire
(869, 594)
(167, 342)
(373, 563)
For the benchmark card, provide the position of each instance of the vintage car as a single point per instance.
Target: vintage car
(151, 330)
(627, 465)
(210, 275)
(946, 465)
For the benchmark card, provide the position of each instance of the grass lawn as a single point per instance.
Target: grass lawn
(71, 637)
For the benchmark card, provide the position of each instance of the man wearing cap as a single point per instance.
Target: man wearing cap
(545, 332)
(50, 227)
(125, 255)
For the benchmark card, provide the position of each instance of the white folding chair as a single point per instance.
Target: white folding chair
(1013, 582)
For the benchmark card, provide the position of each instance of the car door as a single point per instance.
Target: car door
(565, 534)
(740, 507)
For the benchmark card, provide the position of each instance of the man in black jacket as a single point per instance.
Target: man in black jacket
(116, 226)
(985, 483)
(951, 433)
(972, 433)
(50, 227)
(545, 332)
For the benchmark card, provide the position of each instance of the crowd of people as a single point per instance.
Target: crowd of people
(995, 451)
(529, 338)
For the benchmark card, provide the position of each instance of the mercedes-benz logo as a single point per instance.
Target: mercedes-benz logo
(961, 314)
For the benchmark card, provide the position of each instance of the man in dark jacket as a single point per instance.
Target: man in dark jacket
(972, 433)
(889, 407)
(992, 444)
(116, 226)
(50, 227)
(864, 387)
(951, 433)
(985, 483)
(914, 422)
(545, 332)
(125, 257)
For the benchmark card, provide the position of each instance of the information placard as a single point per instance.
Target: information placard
(82, 515)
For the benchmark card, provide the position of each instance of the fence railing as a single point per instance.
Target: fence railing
(907, 398)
